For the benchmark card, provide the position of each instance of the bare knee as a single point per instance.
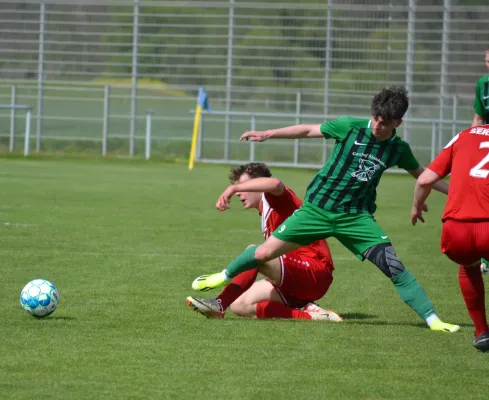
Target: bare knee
(243, 308)
(263, 254)
(260, 253)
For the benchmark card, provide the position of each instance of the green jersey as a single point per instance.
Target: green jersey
(481, 103)
(348, 181)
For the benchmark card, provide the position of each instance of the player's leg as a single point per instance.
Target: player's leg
(301, 228)
(216, 307)
(473, 293)
(302, 281)
(364, 238)
(484, 266)
(461, 242)
(247, 260)
(263, 301)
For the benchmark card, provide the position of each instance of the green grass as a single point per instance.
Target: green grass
(122, 240)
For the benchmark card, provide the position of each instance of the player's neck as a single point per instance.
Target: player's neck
(260, 206)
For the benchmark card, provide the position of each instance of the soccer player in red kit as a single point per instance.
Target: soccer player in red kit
(465, 234)
(293, 281)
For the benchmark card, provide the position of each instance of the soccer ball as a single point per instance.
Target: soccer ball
(39, 298)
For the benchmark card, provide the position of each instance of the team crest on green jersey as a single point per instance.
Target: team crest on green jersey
(366, 169)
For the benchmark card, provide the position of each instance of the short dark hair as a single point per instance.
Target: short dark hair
(254, 170)
(391, 103)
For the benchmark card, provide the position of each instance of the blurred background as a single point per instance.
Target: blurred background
(100, 77)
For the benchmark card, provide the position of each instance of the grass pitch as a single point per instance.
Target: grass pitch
(123, 240)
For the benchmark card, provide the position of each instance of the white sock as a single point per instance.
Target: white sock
(432, 318)
(226, 276)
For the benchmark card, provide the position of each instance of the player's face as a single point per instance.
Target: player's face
(248, 199)
(486, 59)
(382, 129)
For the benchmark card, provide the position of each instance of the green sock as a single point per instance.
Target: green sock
(244, 262)
(413, 294)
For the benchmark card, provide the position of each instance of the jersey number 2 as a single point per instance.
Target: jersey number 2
(478, 171)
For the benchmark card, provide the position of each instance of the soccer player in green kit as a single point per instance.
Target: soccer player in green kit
(340, 200)
(481, 103)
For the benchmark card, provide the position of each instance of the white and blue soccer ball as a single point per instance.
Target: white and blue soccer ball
(39, 298)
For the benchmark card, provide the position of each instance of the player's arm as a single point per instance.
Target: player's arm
(440, 186)
(288, 132)
(273, 186)
(478, 107)
(430, 178)
(478, 120)
(426, 181)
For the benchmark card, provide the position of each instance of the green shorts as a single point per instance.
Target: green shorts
(357, 232)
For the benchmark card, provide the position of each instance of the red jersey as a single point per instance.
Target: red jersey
(466, 157)
(274, 210)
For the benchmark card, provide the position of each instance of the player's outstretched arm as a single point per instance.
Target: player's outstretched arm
(439, 186)
(289, 132)
(269, 185)
(422, 190)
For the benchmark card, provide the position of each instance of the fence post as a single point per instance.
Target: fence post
(200, 142)
(327, 68)
(12, 119)
(229, 80)
(252, 144)
(410, 62)
(148, 135)
(105, 128)
(433, 140)
(27, 136)
(134, 77)
(444, 65)
(297, 122)
(40, 77)
(454, 114)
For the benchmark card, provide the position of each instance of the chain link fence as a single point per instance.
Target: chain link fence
(91, 70)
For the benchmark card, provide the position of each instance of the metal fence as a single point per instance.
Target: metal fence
(92, 70)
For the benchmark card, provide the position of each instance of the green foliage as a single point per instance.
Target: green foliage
(382, 55)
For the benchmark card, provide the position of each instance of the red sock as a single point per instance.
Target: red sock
(240, 284)
(272, 309)
(472, 286)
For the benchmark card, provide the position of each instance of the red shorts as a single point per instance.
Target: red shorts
(465, 242)
(303, 279)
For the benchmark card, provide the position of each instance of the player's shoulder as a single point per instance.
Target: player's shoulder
(347, 119)
(483, 79)
(291, 193)
(481, 131)
(287, 196)
(400, 142)
(359, 122)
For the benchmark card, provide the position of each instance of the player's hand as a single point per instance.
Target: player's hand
(224, 199)
(254, 136)
(417, 214)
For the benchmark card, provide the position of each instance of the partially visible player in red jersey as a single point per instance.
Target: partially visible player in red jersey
(294, 281)
(465, 234)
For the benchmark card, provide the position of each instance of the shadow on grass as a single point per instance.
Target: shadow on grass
(57, 318)
(355, 315)
(387, 323)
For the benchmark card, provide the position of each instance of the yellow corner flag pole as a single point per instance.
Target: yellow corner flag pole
(195, 134)
(202, 102)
